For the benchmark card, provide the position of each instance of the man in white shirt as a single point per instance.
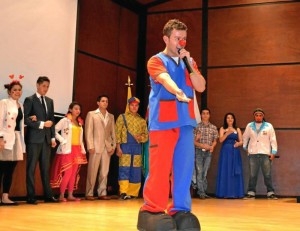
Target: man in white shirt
(259, 140)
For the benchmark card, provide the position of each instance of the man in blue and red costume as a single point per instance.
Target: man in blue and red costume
(171, 125)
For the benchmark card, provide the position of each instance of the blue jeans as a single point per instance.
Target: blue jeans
(262, 161)
(202, 163)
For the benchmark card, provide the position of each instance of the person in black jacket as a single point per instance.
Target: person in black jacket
(39, 138)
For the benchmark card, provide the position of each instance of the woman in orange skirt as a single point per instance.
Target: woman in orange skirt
(70, 153)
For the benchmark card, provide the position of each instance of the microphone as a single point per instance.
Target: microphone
(182, 43)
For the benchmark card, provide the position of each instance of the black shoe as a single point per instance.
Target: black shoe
(51, 200)
(31, 201)
(186, 221)
(148, 221)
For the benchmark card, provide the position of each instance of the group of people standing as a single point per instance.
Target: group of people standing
(259, 140)
(102, 138)
(173, 136)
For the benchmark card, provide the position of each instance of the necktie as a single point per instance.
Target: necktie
(43, 103)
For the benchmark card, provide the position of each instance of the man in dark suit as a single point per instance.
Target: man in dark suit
(40, 137)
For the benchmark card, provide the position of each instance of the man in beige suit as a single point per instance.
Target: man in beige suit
(101, 144)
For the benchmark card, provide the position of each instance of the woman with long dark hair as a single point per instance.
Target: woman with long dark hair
(230, 183)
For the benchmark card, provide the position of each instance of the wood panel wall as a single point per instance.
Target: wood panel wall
(107, 54)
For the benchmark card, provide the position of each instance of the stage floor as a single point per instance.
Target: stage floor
(119, 215)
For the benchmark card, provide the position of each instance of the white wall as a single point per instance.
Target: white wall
(37, 37)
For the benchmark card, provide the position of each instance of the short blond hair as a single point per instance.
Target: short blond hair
(173, 24)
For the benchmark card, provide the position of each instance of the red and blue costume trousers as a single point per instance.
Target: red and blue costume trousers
(171, 157)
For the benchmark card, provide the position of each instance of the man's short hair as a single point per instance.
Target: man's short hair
(204, 109)
(101, 96)
(173, 24)
(42, 79)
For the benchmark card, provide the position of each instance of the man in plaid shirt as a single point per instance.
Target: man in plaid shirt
(206, 135)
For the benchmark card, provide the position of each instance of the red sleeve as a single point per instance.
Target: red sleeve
(155, 67)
